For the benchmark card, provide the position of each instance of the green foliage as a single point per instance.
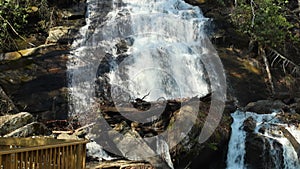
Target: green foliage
(14, 13)
(14, 16)
(264, 21)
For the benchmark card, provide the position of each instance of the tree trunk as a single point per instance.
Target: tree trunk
(268, 70)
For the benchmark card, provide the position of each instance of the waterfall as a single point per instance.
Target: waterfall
(163, 57)
(236, 147)
(163, 60)
(151, 49)
(270, 124)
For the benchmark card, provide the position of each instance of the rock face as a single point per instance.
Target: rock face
(263, 153)
(188, 152)
(38, 83)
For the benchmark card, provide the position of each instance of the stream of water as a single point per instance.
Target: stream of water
(165, 41)
(157, 48)
(269, 122)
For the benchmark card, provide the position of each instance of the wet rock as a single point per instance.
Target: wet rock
(9, 123)
(265, 106)
(263, 153)
(262, 130)
(121, 47)
(32, 129)
(249, 124)
(189, 152)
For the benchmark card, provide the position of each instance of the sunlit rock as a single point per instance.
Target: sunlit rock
(9, 123)
(32, 129)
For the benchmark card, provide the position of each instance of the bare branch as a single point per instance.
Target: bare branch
(286, 63)
(253, 13)
(13, 29)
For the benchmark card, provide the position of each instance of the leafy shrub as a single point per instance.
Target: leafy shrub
(12, 16)
(264, 21)
(14, 19)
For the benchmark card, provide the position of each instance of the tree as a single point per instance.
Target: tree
(266, 22)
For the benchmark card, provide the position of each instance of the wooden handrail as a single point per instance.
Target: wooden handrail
(24, 149)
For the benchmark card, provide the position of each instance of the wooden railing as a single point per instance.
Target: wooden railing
(29, 153)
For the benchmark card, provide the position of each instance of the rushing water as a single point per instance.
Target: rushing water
(236, 147)
(156, 48)
(164, 39)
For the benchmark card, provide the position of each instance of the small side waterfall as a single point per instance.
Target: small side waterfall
(267, 126)
(236, 147)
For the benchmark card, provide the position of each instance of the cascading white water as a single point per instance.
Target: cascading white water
(236, 147)
(164, 59)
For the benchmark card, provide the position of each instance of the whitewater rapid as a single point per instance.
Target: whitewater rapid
(153, 48)
(236, 148)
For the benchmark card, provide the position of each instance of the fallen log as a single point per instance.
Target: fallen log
(292, 140)
(9, 56)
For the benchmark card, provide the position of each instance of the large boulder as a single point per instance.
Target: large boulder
(32, 129)
(249, 124)
(9, 123)
(263, 153)
(265, 106)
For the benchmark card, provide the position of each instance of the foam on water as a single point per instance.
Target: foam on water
(236, 147)
(164, 59)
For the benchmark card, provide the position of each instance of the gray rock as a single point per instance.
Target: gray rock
(262, 152)
(9, 123)
(28, 130)
(249, 124)
(265, 106)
